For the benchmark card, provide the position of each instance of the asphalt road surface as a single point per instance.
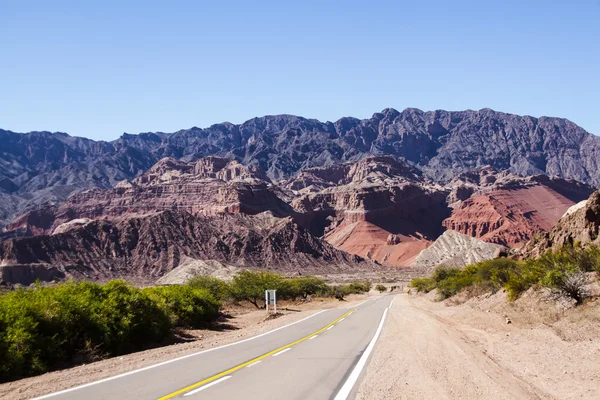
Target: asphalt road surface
(320, 357)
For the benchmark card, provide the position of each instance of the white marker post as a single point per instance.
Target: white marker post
(270, 298)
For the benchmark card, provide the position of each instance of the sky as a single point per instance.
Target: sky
(101, 68)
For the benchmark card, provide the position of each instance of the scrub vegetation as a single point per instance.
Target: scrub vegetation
(43, 328)
(564, 272)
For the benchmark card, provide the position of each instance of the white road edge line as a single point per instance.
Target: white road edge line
(351, 381)
(360, 304)
(171, 361)
(207, 385)
(281, 352)
(392, 303)
(253, 364)
(313, 337)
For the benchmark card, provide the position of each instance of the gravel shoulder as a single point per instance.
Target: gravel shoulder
(445, 350)
(244, 323)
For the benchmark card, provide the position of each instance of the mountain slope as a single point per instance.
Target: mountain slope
(378, 208)
(144, 248)
(579, 225)
(453, 249)
(47, 167)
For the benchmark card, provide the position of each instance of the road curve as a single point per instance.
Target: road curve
(320, 357)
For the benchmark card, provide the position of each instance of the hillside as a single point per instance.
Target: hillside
(347, 217)
(45, 168)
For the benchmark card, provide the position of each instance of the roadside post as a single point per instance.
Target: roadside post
(270, 299)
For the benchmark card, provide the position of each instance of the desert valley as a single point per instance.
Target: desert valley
(470, 214)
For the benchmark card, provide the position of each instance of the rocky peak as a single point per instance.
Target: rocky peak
(379, 170)
(41, 167)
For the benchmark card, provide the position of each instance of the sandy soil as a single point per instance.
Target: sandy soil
(445, 350)
(244, 323)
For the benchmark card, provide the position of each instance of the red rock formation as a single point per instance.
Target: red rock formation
(580, 224)
(378, 208)
(210, 186)
(377, 197)
(509, 216)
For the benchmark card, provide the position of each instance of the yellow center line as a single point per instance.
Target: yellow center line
(240, 366)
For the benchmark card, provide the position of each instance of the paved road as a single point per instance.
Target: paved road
(315, 358)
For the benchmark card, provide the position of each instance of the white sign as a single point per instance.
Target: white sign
(271, 299)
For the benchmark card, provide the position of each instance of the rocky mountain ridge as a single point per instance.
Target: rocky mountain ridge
(144, 248)
(45, 168)
(377, 211)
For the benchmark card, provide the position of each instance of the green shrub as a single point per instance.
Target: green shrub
(381, 288)
(186, 306)
(359, 287)
(425, 285)
(251, 285)
(305, 286)
(495, 273)
(563, 272)
(450, 281)
(340, 291)
(218, 288)
(45, 327)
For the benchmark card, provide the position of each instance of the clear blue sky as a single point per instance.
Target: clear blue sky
(101, 68)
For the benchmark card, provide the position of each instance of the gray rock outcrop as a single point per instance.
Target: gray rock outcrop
(453, 249)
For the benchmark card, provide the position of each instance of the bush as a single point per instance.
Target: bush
(46, 327)
(340, 291)
(450, 281)
(307, 286)
(218, 288)
(381, 288)
(564, 272)
(359, 287)
(425, 285)
(495, 273)
(573, 285)
(186, 306)
(251, 285)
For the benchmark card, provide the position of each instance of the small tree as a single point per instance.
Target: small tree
(251, 286)
(340, 291)
(307, 286)
(359, 287)
(381, 288)
(218, 288)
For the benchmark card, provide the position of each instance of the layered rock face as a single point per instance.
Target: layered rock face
(378, 208)
(209, 186)
(45, 168)
(144, 248)
(509, 210)
(328, 218)
(454, 249)
(580, 224)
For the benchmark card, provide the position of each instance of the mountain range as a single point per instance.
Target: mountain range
(42, 167)
(288, 193)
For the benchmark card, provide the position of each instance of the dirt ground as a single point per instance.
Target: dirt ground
(449, 350)
(244, 322)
